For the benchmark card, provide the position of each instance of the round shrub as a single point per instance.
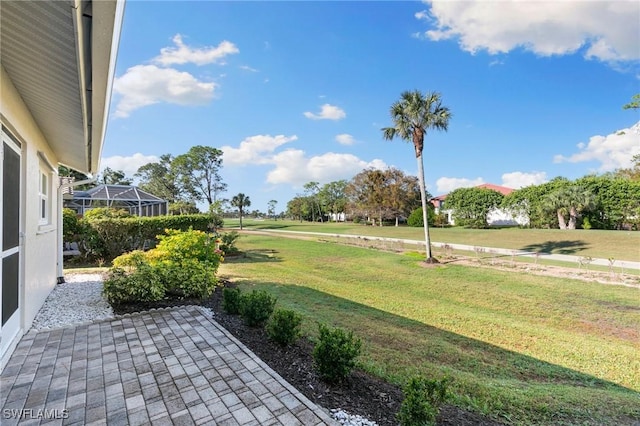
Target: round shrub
(187, 279)
(256, 307)
(335, 353)
(415, 218)
(422, 400)
(231, 300)
(142, 285)
(284, 326)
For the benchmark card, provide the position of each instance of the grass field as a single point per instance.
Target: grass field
(521, 348)
(620, 245)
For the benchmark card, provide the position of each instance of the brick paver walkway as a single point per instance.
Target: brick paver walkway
(170, 366)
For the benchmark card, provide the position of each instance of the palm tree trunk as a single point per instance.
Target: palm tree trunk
(423, 197)
(573, 218)
(561, 222)
(240, 219)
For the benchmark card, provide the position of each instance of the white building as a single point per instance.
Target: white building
(57, 60)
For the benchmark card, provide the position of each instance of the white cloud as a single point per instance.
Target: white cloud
(608, 30)
(182, 54)
(612, 151)
(248, 68)
(327, 112)
(254, 149)
(518, 180)
(129, 165)
(144, 85)
(444, 185)
(294, 167)
(345, 139)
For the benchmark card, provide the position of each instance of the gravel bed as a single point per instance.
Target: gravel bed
(347, 419)
(77, 301)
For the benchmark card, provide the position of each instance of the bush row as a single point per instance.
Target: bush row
(107, 233)
(334, 353)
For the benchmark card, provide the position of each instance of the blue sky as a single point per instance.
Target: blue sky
(294, 92)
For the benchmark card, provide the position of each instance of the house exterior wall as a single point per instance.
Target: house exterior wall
(39, 244)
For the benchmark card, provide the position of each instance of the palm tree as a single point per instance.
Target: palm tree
(412, 116)
(240, 201)
(569, 200)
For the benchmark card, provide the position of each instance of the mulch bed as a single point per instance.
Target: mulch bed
(361, 394)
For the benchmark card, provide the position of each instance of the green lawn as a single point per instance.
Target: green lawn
(620, 245)
(522, 348)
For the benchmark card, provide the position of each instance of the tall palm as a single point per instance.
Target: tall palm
(240, 201)
(413, 115)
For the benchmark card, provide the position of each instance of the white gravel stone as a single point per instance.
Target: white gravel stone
(77, 301)
(347, 419)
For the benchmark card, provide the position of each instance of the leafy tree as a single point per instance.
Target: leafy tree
(198, 172)
(413, 115)
(471, 206)
(366, 192)
(299, 208)
(569, 201)
(332, 195)
(183, 207)
(402, 194)
(161, 180)
(312, 189)
(617, 201)
(114, 177)
(634, 104)
(271, 210)
(633, 172)
(240, 201)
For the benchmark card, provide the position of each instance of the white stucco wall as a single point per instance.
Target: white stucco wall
(40, 242)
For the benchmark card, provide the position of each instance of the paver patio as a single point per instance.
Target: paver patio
(162, 367)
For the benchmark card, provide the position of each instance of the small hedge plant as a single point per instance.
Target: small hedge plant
(256, 307)
(422, 400)
(231, 300)
(335, 353)
(184, 265)
(284, 326)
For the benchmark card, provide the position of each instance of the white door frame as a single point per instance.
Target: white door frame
(11, 330)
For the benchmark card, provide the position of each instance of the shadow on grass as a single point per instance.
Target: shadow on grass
(557, 247)
(497, 381)
(254, 256)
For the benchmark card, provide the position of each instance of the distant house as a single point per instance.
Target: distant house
(57, 61)
(496, 217)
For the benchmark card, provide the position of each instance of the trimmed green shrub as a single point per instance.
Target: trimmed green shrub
(284, 326)
(130, 261)
(231, 300)
(142, 285)
(188, 278)
(256, 307)
(70, 225)
(178, 246)
(113, 236)
(415, 218)
(105, 213)
(422, 400)
(335, 353)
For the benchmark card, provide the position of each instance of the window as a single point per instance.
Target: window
(44, 197)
